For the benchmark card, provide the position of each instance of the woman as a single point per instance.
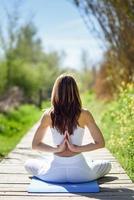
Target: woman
(67, 120)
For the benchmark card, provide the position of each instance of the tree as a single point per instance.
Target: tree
(28, 47)
(26, 64)
(116, 20)
(8, 39)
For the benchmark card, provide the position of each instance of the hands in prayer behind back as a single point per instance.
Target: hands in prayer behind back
(66, 147)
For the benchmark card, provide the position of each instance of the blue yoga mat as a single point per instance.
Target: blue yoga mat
(40, 186)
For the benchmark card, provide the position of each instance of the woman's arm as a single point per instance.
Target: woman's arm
(39, 134)
(98, 138)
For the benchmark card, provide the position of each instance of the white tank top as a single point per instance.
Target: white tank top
(76, 137)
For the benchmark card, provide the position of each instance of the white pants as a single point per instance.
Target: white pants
(67, 169)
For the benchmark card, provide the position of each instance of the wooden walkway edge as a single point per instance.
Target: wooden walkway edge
(14, 179)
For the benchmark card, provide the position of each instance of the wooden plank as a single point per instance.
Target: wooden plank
(31, 152)
(15, 154)
(101, 194)
(50, 197)
(28, 149)
(22, 159)
(103, 187)
(110, 176)
(22, 175)
(23, 178)
(21, 170)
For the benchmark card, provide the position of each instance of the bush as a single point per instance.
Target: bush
(3, 76)
(118, 126)
(15, 124)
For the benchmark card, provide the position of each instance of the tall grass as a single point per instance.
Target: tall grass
(15, 124)
(117, 123)
(116, 120)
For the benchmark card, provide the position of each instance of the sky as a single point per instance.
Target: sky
(61, 28)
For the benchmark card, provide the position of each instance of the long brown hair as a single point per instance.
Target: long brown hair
(66, 103)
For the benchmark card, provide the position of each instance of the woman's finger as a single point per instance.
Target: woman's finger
(69, 145)
(69, 138)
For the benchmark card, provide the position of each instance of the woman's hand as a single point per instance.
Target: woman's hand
(62, 146)
(67, 145)
(72, 147)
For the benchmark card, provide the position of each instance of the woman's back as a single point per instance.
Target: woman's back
(76, 137)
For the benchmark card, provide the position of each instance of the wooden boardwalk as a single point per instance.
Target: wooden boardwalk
(14, 179)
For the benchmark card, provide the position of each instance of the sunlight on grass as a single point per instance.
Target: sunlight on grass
(116, 121)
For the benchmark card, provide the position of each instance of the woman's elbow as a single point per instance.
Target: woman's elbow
(34, 146)
(102, 144)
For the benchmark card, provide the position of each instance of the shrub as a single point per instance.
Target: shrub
(118, 126)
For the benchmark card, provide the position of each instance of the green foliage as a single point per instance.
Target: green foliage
(28, 46)
(26, 77)
(118, 126)
(46, 104)
(116, 121)
(25, 64)
(89, 101)
(15, 124)
(3, 73)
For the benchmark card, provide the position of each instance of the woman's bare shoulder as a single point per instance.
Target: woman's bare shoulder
(84, 111)
(47, 111)
(86, 115)
(46, 116)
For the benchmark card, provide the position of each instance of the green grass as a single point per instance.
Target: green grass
(15, 124)
(95, 107)
(118, 124)
(116, 121)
